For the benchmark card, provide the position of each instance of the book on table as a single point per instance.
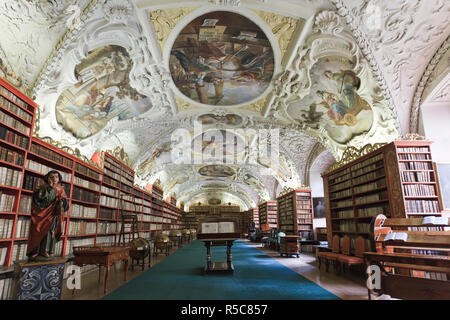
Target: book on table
(396, 236)
(435, 220)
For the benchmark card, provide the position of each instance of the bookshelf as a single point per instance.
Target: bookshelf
(396, 180)
(268, 215)
(93, 193)
(295, 213)
(17, 116)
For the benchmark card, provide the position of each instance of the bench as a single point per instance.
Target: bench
(418, 268)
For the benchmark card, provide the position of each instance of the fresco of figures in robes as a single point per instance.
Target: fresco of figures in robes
(334, 103)
(102, 93)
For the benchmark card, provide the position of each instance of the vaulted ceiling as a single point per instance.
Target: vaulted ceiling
(265, 88)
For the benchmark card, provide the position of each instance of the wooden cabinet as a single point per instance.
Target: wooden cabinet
(396, 180)
(268, 215)
(295, 213)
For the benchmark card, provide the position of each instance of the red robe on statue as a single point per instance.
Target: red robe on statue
(42, 220)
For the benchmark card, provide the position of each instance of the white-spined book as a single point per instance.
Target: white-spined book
(402, 236)
(435, 220)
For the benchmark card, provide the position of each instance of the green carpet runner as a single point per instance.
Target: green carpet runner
(256, 277)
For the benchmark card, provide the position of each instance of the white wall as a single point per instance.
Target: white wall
(436, 126)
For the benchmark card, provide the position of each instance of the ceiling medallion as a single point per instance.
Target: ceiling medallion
(221, 59)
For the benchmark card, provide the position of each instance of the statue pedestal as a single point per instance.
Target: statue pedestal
(38, 280)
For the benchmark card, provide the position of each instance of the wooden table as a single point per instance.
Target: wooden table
(219, 267)
(102, 256)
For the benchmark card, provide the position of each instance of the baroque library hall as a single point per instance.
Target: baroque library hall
(224, 150)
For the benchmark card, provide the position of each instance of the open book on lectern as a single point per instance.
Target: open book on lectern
(218, 227)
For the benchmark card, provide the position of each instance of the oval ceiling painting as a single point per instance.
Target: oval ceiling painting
(103, 92)
(221, 58)
(334, 103)
(216, 170)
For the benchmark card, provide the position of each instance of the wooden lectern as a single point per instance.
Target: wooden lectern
(218, 232)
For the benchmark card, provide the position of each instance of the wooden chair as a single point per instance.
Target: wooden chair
(330, 256)
(346, 259)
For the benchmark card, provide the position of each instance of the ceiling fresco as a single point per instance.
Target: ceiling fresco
(127, 75)
(221, 58)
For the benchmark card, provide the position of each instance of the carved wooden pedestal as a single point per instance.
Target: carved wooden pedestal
(39, 280)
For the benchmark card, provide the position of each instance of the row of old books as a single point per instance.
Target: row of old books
(341, 203)
(419, 190)
(82, 211)
(84, 195)
(370, 167)
(106, 227)
(51, 155)
(11, 96)
(77, 228)
(107, 213)
(87, 184)
(10, 177)
(14, 123)
(6, 286)
(19, 251)
(344, 213)
(111, 182)
(415, 165)
(421, 176)
(412, 156)
(109, 202)
(111, 164)
(340, 186)
(339, 194)
(368, 176)
(25, 204)
(10, 156)
(347, 226)
(110, 191)
(366, 162)
(43, 169)
(87, 171)
(373, 211)
(381, 183)
(14, 138)
(422, 206)
(383, 195)
(3, 253)
(6, 226)
(6, 202)
(30, 182)
(23, 227)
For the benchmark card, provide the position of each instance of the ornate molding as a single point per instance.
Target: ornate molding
(164, 20)
(417, 100)
(72, 151)
(120, 154)
(411, 137)
(282, 27)
(352, 153)
(69, 37)
(365, 46)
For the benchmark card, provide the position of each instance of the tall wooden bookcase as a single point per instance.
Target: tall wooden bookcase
(94, 194)
(295, 213)
(255, 217)
(268, 215)
(397, 180)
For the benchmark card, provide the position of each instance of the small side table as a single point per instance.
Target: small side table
(102, 256)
